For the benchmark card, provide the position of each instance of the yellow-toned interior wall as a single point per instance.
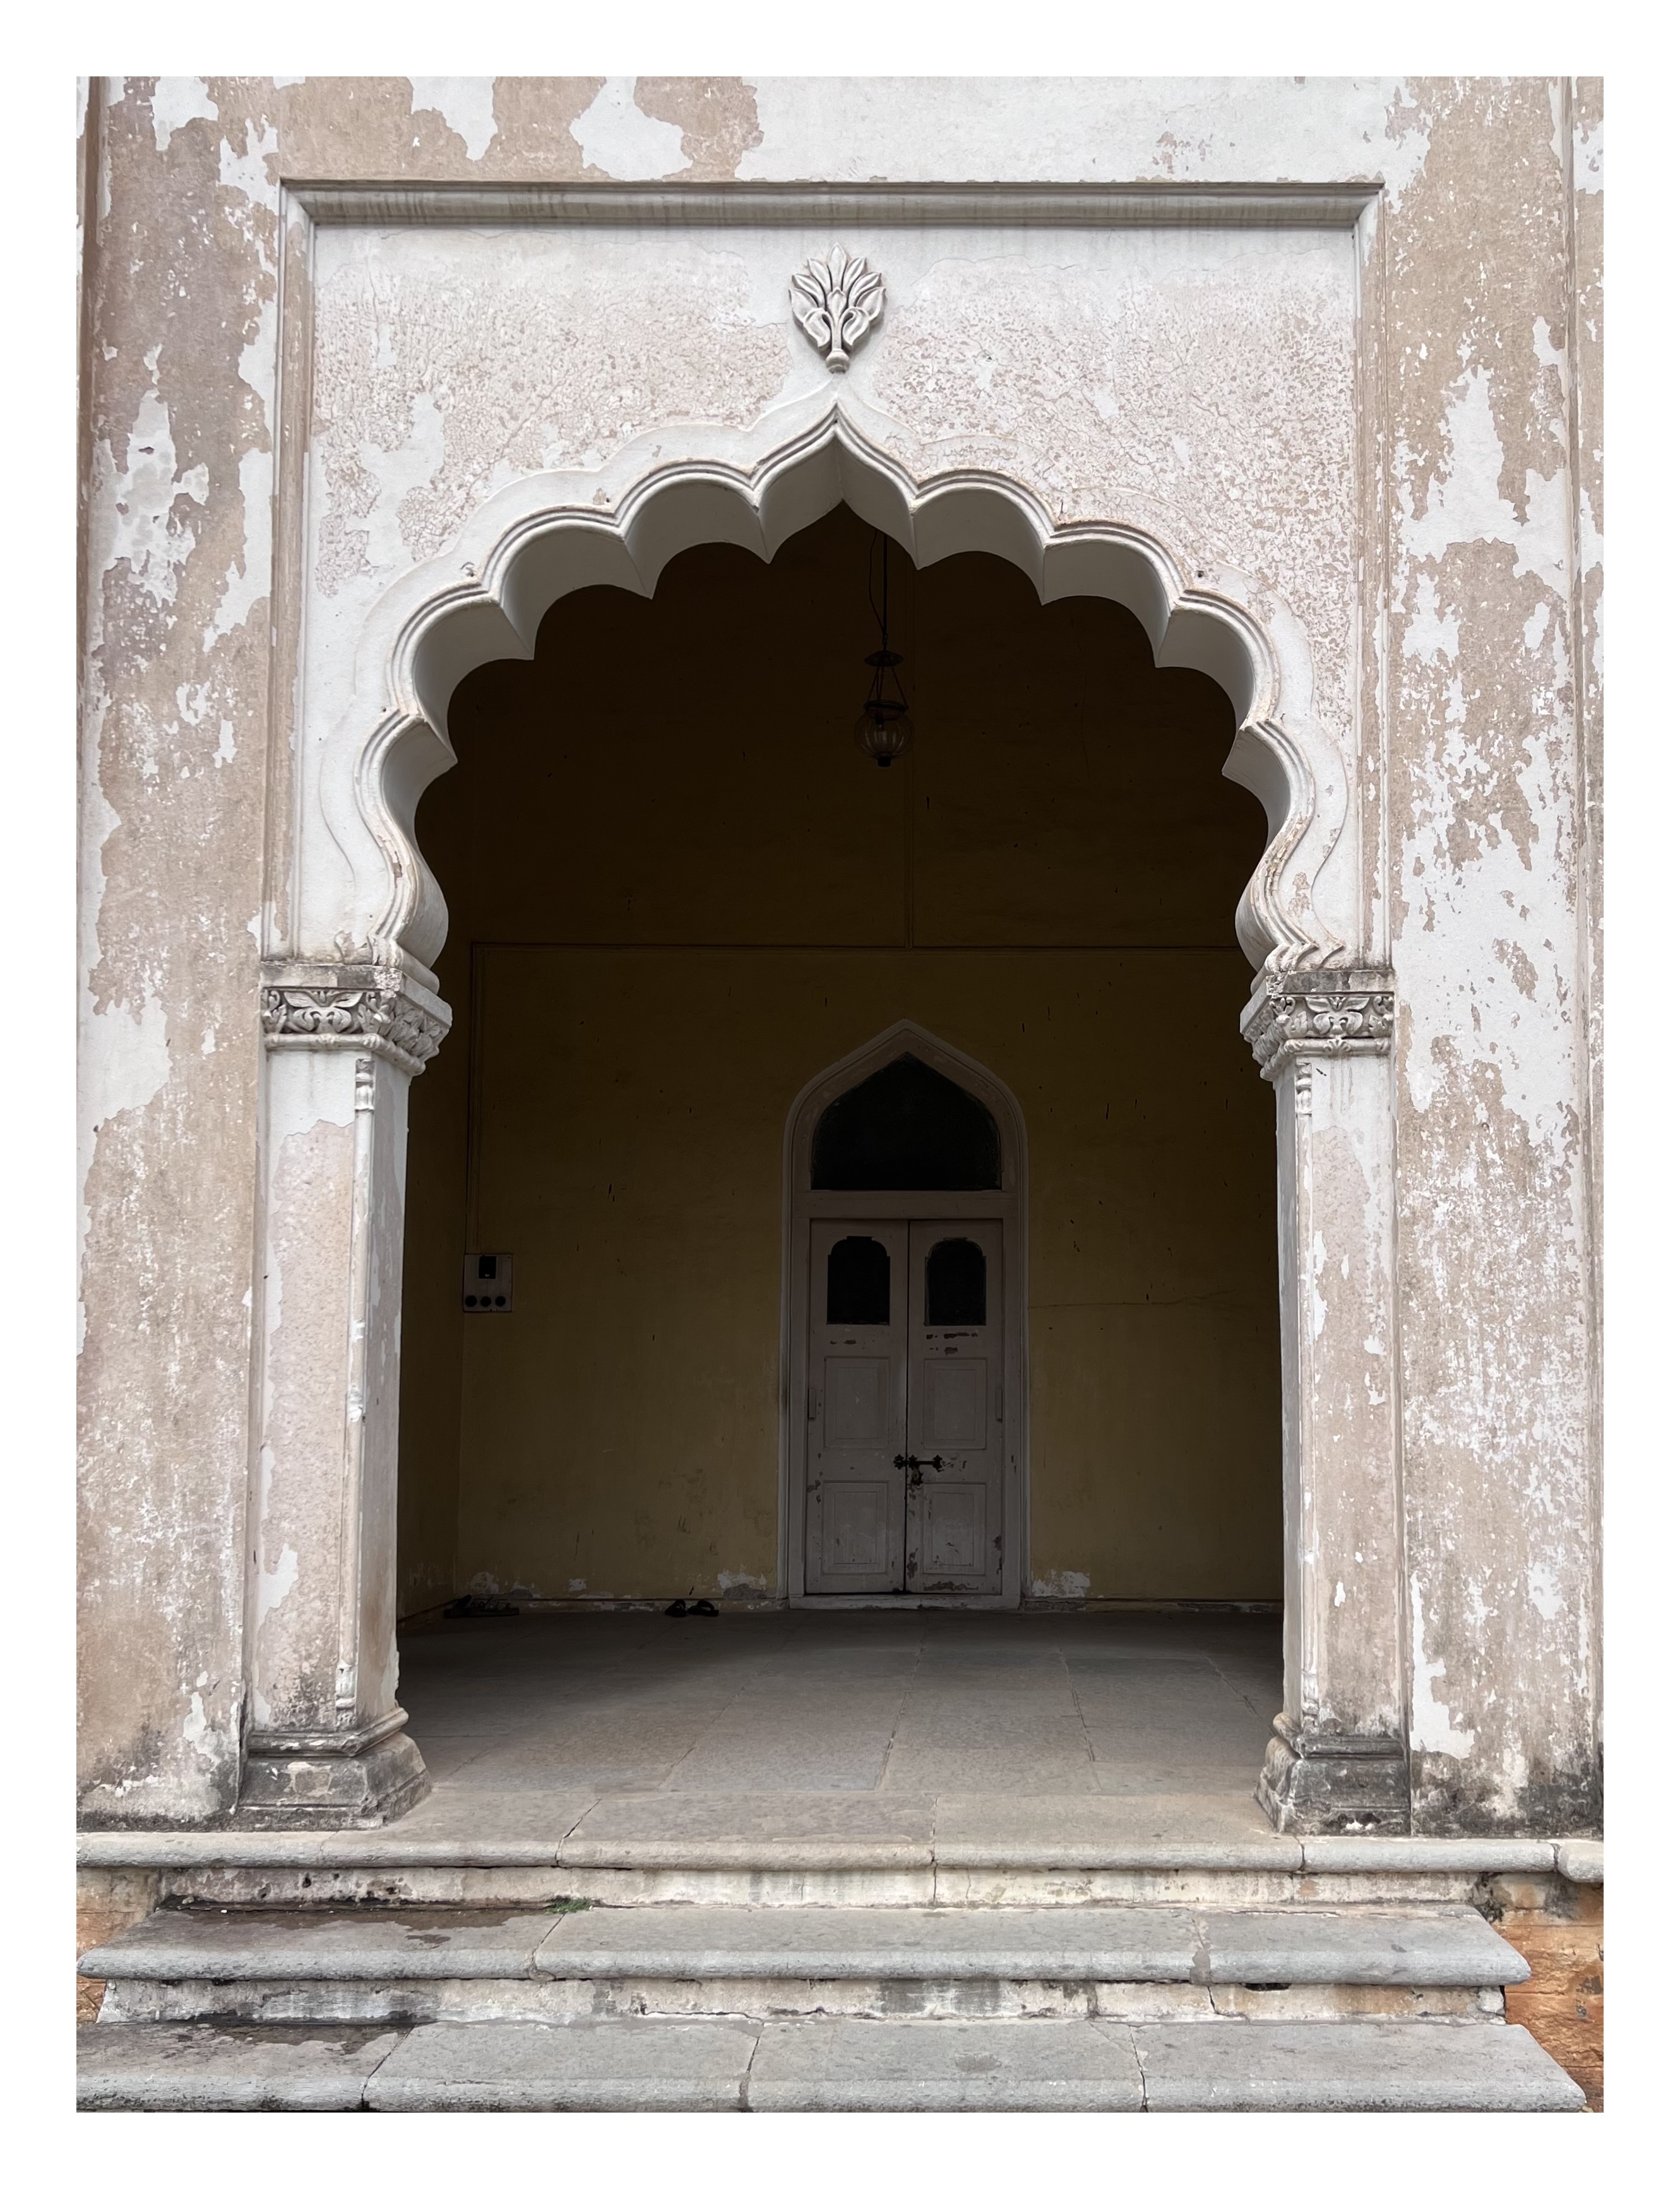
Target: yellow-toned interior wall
(677, 892)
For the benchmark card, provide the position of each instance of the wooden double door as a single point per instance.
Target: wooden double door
(905, 1408)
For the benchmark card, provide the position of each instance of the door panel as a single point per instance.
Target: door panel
(858, 1402)
(855, 1379)
(857, 1531)
(953, 1522)
(954, 1404)
(952, 1530)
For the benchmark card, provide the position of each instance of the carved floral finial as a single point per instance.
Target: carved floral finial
(837, 300)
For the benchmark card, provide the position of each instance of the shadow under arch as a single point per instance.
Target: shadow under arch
(491, 608)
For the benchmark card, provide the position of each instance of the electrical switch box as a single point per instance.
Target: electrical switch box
(486, 1284)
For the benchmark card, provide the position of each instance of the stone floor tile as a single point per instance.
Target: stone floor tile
(446, 1752)
(526, 1825)
(967, 1824)
(622, 1828)
(994, 1770)
(1141, 1705)
(821, 1765)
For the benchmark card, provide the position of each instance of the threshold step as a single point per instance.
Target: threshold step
(1342, 2066)
(1113, 1945)
(198, 2068)
(638, 2065)
(825, 2065)
(1410, 1947)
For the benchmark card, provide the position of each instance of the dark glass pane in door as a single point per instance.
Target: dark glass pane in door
(860, 1282)
(956, 1283)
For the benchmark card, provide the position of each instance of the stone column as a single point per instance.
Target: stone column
(324, 1741)
(1337, 1761)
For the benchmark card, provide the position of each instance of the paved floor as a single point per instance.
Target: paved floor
(1172, 1712)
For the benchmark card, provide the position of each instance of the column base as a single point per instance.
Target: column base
(1353, 1782)
(323, 1781)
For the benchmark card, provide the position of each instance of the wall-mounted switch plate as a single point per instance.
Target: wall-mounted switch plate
(486, 1284)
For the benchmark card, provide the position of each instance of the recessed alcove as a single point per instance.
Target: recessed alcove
(677, 892)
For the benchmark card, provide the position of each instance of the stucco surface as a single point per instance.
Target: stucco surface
(1195, 382)
(1473, 556)
(1491, 535)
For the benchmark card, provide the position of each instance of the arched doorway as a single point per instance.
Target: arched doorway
(905, 1443)
(351, 1011)
(644, 1114)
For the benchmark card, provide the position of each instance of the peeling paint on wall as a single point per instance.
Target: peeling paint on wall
(177, 100)
(1491, 979)
(467, 104)
(1061, 1586)
(624, 142)
(1483, 417)
(1432, 1728)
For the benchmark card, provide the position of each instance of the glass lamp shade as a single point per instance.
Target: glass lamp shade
(883, 730)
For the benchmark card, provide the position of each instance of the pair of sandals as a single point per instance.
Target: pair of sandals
(704, 1608)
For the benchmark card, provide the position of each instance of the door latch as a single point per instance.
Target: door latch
(915, 1467)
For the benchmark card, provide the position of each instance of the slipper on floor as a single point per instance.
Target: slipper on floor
(677, 1610)
(703, 1609)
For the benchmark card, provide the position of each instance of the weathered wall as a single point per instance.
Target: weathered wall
(179, 373)
(671, 795)
(1493, 531)
(1474, 653)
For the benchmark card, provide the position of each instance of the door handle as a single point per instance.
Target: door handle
(915, 1467)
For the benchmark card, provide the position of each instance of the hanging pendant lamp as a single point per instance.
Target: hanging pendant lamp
(883, 729)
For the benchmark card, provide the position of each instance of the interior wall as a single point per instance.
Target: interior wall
(677, 890)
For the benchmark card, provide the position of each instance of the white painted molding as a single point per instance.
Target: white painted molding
(1376, 1857)
(1351, 1014)
(483, 599)
(372, 1009)
(1338, 205)
(836, 301)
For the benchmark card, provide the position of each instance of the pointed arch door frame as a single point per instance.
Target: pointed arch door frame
(802, 1205)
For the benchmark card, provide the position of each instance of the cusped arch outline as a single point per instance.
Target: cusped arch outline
(484, 599)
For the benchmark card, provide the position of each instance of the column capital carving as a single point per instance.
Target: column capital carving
(377, 1010)
(1324, 1010)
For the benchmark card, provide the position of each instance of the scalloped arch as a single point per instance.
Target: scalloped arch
(451, 617)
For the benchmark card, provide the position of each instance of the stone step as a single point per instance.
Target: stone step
(1167, 1878)
(822, 2065)
(451, 1963)
(1450, 1945)
(462, 1847)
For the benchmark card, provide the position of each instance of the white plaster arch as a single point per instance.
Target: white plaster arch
(484, 598)
(799, 1203)
(350, 1009)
